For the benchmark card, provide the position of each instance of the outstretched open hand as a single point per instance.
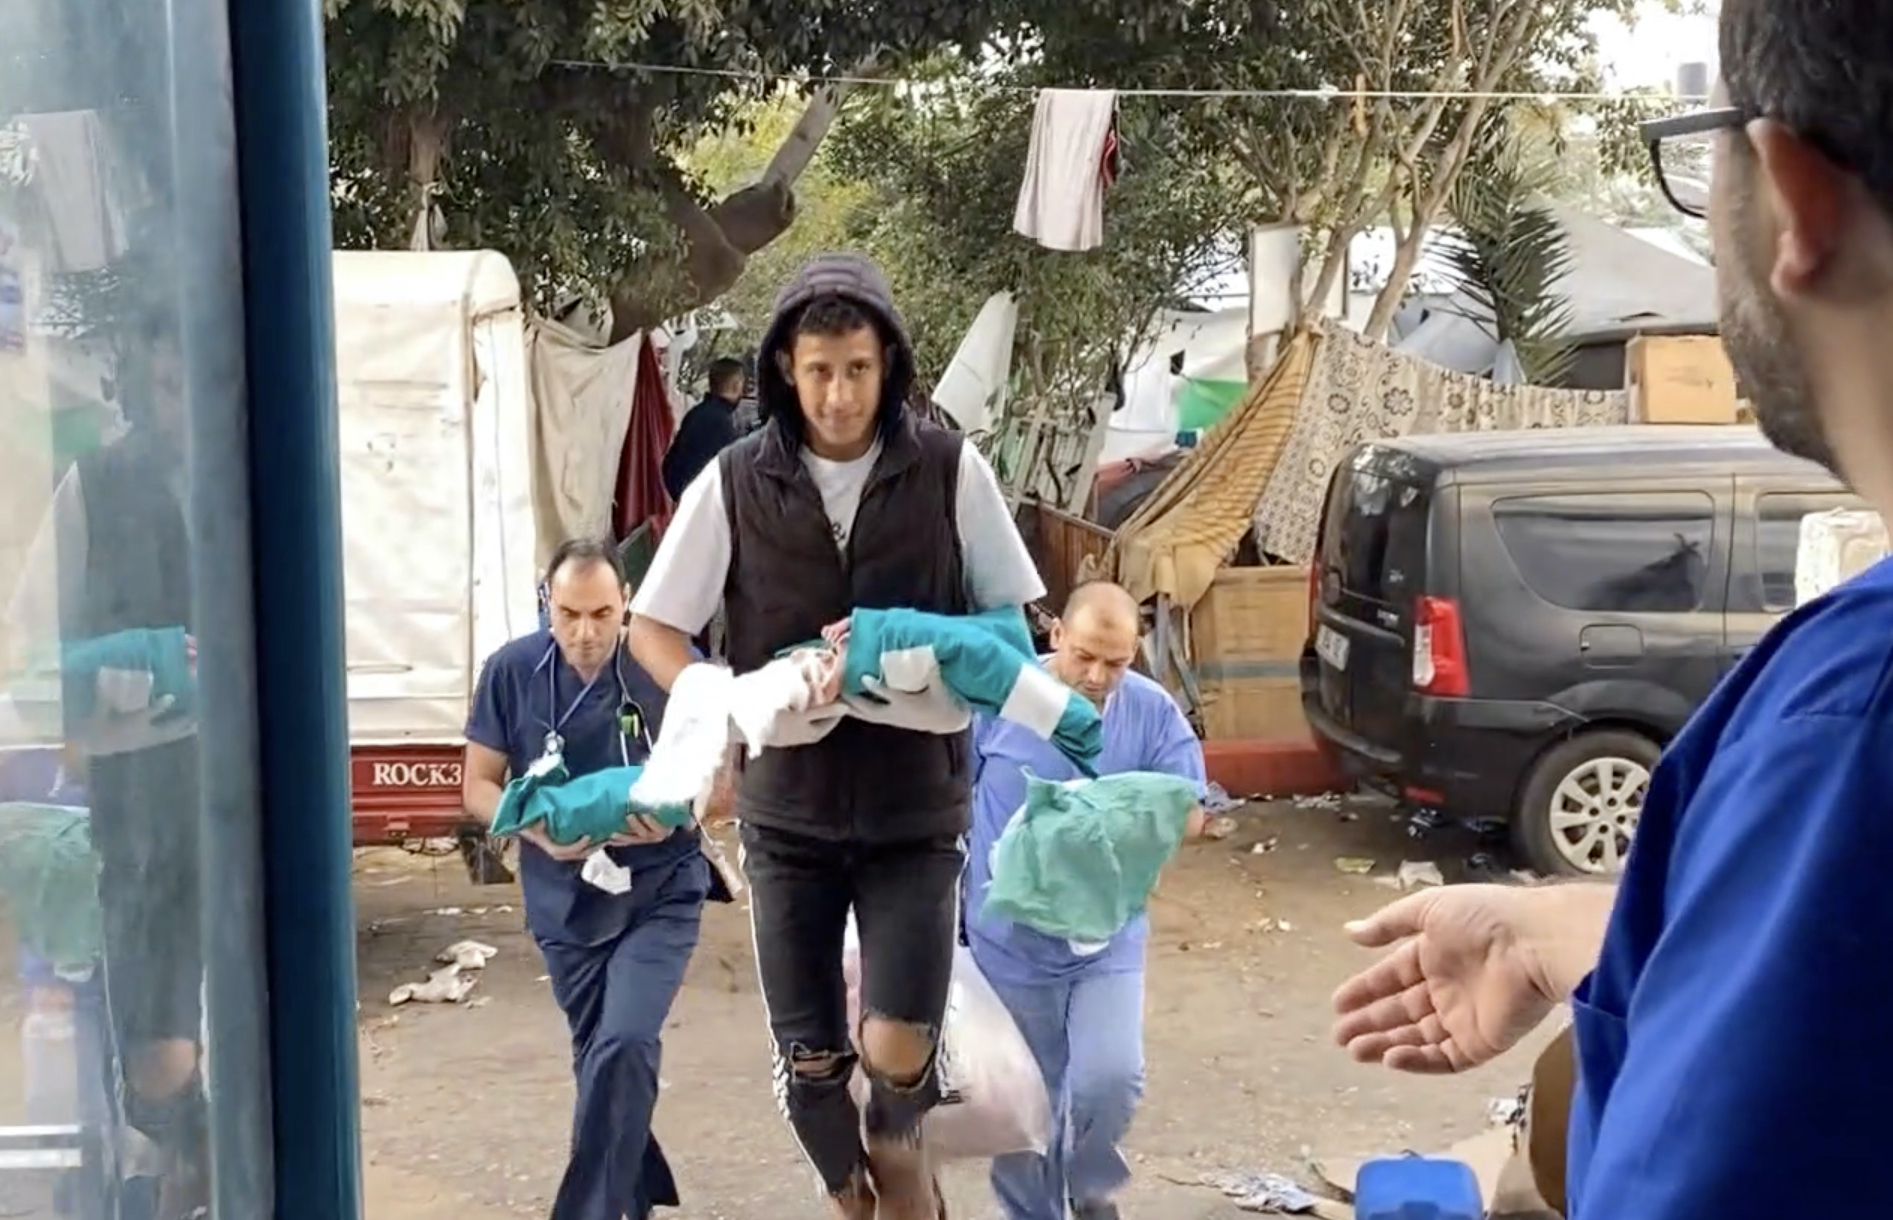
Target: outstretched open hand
(1462, 985)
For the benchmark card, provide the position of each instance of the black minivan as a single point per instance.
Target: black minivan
(1510, 625)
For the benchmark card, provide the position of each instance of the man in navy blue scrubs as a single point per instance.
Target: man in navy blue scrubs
(1730, 1002)
(616, 960)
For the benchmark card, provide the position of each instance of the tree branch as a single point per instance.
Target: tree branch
(1496, 58)
(719, 239)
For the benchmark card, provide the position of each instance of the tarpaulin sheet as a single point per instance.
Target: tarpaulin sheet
(1267, 466)
(1174, 544)
(1359, 390)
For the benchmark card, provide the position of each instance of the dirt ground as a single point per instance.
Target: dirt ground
(465, 1108)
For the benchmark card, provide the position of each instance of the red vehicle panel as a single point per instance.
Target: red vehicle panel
(403, 793)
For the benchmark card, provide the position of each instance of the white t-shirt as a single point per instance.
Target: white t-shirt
(684, 586)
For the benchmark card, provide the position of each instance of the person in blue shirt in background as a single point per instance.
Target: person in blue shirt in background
(616, 960)
(1730, 1002)
(1080, 1006)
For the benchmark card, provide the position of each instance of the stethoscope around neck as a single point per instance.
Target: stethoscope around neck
(630, 715)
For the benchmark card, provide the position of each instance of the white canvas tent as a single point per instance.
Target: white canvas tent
(437, 523)
(1205, 345)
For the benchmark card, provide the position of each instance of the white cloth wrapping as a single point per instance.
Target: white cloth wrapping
(693, 741)
(773, 707)
(1061, 204)
(769, 708)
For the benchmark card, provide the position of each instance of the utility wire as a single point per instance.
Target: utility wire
(1320, 95)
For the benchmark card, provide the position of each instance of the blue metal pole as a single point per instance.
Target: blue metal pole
(295, 525)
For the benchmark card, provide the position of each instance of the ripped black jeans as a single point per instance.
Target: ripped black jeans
(905, 899)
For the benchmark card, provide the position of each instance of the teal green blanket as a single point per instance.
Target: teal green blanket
(49, 883)
(987, 660)
(1080, 859)
(591, 807)
(164, 653)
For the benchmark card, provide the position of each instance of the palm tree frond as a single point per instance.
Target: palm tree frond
(1508, 253)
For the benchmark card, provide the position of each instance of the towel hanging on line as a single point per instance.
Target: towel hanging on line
(1071, 162)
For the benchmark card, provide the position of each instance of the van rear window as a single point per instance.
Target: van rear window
(1645, 552)
(1375, 540)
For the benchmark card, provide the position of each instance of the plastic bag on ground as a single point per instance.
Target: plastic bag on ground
(995, 1100)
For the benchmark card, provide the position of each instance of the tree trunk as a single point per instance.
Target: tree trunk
(719, 240)
(427, 135)
(798, 148)
(1501, 54)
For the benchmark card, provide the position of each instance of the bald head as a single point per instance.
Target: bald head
(1095, 641)
(1104, 599)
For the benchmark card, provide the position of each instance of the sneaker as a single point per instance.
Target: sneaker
(1103, 1209)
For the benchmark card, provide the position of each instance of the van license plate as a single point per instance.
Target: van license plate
(1331, 646)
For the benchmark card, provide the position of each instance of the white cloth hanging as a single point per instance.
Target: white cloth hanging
(1061, 204)
(976, 377)
(71, 157)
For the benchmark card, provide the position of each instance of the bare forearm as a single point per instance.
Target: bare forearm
(1570, 932)
(481, 800)
(662, 652)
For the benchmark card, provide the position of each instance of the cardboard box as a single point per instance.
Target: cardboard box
(1548, 1120)
(1680, 379)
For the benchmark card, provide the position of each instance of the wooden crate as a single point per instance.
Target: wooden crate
(1060, 543)
(1246, 639)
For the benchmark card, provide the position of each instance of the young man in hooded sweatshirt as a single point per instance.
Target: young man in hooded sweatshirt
(844, 500)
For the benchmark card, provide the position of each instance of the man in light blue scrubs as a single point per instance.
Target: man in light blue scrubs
(1080, 1006)
(1732, 1028)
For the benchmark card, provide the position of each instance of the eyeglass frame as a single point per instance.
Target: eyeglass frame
(1696, 123)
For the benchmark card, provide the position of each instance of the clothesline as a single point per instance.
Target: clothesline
(1324, 94)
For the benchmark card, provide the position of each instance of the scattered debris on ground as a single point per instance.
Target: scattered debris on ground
(453, 980)
(1506, 1111)
(1216, 800)
(1419, 874)
(1262, 1192)
(1353, 866)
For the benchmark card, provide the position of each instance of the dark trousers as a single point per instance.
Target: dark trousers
(616, 997)
(144, 828)
(905, 899)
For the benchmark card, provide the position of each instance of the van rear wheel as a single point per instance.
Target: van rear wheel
(1580, 807)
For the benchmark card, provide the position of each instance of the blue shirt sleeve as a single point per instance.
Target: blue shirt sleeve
(489, 720)
(1173, 747)
(1758, 1021)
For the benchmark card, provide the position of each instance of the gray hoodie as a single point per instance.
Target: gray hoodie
(855, 278)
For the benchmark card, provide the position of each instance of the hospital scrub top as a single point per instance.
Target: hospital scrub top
(1144, 730)
(524, 690)
(1732, 1042)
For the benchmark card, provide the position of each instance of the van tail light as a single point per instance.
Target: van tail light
(1314, 596)
(1439, 649)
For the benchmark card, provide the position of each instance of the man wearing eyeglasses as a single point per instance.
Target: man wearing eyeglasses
(1728, 1003)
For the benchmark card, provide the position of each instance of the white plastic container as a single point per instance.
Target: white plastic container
(1835, 547)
